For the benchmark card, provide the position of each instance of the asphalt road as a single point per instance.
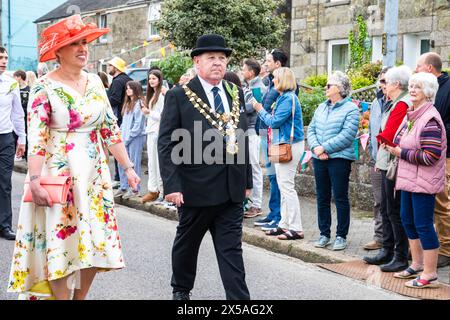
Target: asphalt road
(147, 242)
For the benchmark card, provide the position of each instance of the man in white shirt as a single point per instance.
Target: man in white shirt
(11, 119)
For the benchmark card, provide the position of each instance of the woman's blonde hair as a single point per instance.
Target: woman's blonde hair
(31, 78)
(286, 79)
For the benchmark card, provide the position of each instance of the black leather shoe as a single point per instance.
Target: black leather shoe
(181, 295)
(384, 256)
(7, 234)
(395, 265)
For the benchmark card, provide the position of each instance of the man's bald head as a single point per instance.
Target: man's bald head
(429, 62)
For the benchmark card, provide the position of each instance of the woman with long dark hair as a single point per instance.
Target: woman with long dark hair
(153, 107)
(133, 133)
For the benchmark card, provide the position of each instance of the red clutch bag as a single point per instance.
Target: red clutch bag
(57, 188)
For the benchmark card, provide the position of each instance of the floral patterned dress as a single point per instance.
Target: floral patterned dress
(70, 131)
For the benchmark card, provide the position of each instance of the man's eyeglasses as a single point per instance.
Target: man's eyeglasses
(382, 81)
(329, 85)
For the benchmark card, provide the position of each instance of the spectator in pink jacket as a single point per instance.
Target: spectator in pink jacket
(421, 149)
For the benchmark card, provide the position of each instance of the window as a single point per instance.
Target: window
(413, 46)
(338, 55)
(154, 14)
(424, 46)
(332, 3)
(103, 23)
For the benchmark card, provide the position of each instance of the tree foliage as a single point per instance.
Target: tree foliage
(174, 66)
(249, 26)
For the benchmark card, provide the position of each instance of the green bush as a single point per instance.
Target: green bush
(359, 81)
(174, 66)
(446, 70)
(310, 100)
(371, 70)
(318, 81)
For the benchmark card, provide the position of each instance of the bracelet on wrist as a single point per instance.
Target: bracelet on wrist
(131, 165)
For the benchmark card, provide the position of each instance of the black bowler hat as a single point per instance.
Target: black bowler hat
(211, 43)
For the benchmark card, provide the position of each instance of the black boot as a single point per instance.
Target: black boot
(181, 295)
(384, 256)
(397, 264)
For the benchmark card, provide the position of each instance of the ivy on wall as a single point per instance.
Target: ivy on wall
(360, 54)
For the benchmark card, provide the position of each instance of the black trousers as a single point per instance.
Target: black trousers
(7, 151)
(394, 236)
(224, 222)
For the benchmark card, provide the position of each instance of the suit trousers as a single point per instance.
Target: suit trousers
(442, 215)
(224, 222)
(7, 147)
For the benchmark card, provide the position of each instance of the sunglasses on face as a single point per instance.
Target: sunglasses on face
(329, 85)
(383, 81)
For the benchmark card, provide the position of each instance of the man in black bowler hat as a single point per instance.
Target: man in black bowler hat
(209, 195)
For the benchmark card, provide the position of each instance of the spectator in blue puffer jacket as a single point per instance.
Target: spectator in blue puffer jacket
(330, 136)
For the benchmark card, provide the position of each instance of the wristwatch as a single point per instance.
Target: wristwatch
(131, 165)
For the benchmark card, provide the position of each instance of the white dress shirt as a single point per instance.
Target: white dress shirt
(209, 93)
(12, 117)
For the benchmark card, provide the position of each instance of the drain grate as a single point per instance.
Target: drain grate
(372, 275)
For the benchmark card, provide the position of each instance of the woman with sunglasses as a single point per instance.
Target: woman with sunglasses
(330, 136)
(393, 255)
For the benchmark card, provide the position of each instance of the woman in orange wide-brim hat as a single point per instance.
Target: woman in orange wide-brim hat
(70, 121)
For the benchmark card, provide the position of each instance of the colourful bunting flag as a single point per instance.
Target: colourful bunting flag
(364, 106)
(145, 43)
(356, 148)
(307, 155)
(364, 139)
(163, 52)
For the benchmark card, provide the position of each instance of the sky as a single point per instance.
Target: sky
(23, 50)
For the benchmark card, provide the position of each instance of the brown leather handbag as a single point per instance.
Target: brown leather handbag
(282, 153)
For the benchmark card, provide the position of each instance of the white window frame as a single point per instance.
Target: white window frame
(332, 43)
(103, 38)
(153, 15)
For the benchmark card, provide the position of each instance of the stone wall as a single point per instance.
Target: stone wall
(360, 190)
(315, 22)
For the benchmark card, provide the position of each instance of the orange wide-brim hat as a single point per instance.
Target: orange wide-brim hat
(65, 32)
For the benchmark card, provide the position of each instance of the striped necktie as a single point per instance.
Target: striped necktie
(218, 103)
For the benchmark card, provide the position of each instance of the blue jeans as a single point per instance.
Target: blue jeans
(417, 213)
(134, 150)
(332, 175)
(275, 197)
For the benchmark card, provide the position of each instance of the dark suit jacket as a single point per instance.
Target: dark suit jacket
(202, 184)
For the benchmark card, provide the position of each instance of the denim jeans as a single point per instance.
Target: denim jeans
(417, 213)
(275, 197)
(332, 175)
